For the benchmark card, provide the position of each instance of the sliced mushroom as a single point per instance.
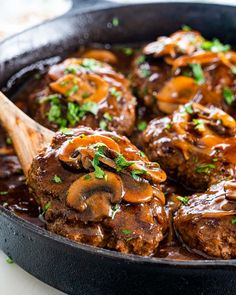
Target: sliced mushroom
(230, 190)
(70, 154)
(102, 55)
(177, 91)
(93, 197)
(87, 87)
(136, 191)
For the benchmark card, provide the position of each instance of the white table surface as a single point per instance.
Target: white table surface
(14, 280)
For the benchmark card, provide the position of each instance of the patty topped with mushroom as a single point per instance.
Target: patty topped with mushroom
(196, 145)
(85, 91)
(98, 188)
(185, 67)
(206, 222)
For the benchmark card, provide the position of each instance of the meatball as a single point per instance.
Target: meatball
(207, 223)
(96, 187)
(84, 91)
(185, 67)
(195, 145)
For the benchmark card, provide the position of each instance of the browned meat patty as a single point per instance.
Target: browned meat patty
(84, 91)
(207, 223)
(185, 67)
(195, 145)
(98, 188)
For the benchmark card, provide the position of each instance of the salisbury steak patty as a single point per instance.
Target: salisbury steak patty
(208, 223)
(184, 67)
(97, 188)
(85, 91)
(195, 145)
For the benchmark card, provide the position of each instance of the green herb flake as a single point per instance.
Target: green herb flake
(66, 131)
(126, 231)
(114, 209)
(72, 91)
(115, 93)
(215, 159)
(141, 59)
(9, 260)
(87, 177)
(86, 95)
(142, 126)
(183, 200)
(215, 46)
(72, 69)
(122, 163)
(90, 64)
(8, 141)
(128, 51)
(228, 95)
(144, 71)
(205, 168)
(199, 124)
(57, 179)
(115, 22)
(46, 207)
(135, 174)
(142, 154)
(188, 109)
(99, 173)
(3, 193)
(233, 220)
(186, 28)
(103, 124)
(233, 69)
(108, 116)
(168, 126)
(198, 73)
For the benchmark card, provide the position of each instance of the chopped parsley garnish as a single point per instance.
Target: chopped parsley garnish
(57, 179)
(115, 22)
(115, 209)
(72, 91)
(188, 109)
(141, 59)
(198, 73)
(115, 93)
(215, 159)
(9, 260)
(55, 113)
(168, 126)
(8, 141)
(87, 177)
(186, 28)
(90, 64)
(72, 69)
(205, 168)
(90, 107)
(128, 51)
(144, 71)
(199, 124)
(126, 231)
(4, 193)
(46, 207)
(228, 95)
(135, 173)
(122, 163)
(103, 124)
(86, 95)
(215, 46)
(142, 126)
(183, 200)
(142, 154)
(233, 69)
(99, 173)
(233, 220)
(66, 131)
(108, 116)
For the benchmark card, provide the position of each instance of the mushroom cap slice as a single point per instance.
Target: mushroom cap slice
(93, 197)
(68, 150)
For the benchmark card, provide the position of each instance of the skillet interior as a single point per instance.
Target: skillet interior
(73, 268)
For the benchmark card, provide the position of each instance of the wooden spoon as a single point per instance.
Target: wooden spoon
(28, 137)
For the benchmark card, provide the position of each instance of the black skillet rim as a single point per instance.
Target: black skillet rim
(96, 251)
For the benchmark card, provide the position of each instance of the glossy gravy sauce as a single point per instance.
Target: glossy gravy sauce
(14, 193)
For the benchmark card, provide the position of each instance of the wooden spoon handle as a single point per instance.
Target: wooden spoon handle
(28, 137)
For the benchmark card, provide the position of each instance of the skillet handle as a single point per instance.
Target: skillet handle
(90, 4)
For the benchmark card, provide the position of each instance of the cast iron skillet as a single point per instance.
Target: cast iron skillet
(81, 269)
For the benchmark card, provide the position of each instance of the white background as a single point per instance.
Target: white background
(14, 280)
